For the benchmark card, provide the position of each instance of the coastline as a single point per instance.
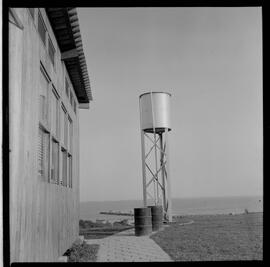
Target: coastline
(181, 207)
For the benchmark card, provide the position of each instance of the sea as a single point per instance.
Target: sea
(180, 206)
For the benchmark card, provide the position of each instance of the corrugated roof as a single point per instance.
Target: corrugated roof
(65, 24)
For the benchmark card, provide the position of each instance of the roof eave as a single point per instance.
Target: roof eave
(65, 24)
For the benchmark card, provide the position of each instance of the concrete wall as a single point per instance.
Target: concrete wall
(44, 217)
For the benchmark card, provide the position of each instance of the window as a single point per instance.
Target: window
(51, 50)
(67, 87)
(64, 126)
(41, 29)
(49, 130)
(65, 131)
(55, 162)
(32, 12)
(70, 134)
(55, 114)
(44, 100)
(70, 147)
(70, 171)
(66, 148)
(55, 135)
(64, 167)
(43, 154)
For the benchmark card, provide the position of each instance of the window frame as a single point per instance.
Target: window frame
(48, 43)
(64, 152)
(62, 137)
(46, 124)
(66, 147)
(56, 180)
(55, 94)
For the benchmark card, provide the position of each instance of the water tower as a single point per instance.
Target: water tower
(155, 125)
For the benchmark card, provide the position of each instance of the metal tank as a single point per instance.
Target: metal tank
(155, 111)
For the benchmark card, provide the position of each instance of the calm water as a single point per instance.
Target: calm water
(180, 206)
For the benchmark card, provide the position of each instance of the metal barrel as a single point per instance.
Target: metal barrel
(157, 217)
(143, 221)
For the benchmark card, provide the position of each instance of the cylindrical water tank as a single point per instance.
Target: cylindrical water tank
(155, 111)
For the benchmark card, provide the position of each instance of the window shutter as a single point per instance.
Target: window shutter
(40, 152)
(46, 156)
(43, 154)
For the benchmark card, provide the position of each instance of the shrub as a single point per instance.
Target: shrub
(82, 252)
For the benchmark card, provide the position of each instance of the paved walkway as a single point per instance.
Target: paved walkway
(125, 246)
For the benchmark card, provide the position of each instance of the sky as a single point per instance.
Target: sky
(210, 60)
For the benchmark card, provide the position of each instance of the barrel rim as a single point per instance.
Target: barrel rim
(155, 93)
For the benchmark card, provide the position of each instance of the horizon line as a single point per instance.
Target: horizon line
(190, 197)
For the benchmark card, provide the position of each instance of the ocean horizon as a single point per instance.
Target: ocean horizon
(90, 210)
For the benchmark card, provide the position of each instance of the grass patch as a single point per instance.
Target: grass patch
(213, 237)
(82, 252)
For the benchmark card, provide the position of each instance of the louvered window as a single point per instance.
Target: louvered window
(43, 154)
(41, 29)
(40, 152)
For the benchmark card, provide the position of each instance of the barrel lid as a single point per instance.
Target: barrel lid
(155, 93)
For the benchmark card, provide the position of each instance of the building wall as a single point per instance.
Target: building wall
(44, 216)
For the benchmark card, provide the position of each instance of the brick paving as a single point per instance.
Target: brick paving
(126, 247)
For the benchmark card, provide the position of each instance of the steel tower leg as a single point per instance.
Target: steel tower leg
(169, 211)
(162, 172)
(143, 169)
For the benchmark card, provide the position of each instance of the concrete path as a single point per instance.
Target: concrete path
(126, 247)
